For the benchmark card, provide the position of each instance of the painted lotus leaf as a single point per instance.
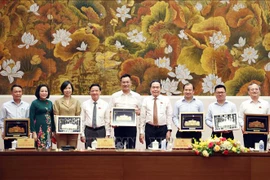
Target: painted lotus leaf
(218, 62)
(190, 56)
(237, 19)
(243, 76)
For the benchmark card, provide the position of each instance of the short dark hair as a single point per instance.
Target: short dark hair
(38, 89)
(124, 76)
(187, 85)
(92, 85)
(15, 85)
(153, 81)
(220, 86)
(65, 84)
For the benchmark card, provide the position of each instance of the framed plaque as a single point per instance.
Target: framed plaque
(182, 143)
(16, 128)
(68, 124)
(123, 117)
(105, 143)
(191, 121)
(256, 123)
(225, 122)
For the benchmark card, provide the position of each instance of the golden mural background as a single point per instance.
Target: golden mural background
(96, 41)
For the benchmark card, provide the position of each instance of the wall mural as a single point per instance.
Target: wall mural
(205, 42)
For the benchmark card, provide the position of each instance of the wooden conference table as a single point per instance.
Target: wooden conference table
(131, 165)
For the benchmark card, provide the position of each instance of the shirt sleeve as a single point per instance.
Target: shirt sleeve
(208, 118)
(83, 120)
(175, 117)
(142, 119)
(169, 115)
(241, 115)
(32, 117)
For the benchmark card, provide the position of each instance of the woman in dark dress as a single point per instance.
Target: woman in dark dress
(41, 118)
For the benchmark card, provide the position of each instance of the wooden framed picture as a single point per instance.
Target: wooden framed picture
(191, 121)
(225, 122)
(68, 124)
(16, 128)
(256, 123)
(123, 117)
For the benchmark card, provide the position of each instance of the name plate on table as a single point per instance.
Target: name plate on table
(68, 124)
(105, 143)
(182, 143)
(26, 143)
(16, 128)
(256, 123)
(123, 117)
(191, 121)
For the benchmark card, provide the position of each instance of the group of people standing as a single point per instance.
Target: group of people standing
(155, 114)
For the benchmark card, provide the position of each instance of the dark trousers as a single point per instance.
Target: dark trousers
(7, 143)
(251, 139)
(125, 134)
(92, 133)
(153, 133)
(195, 136)
(225, 135)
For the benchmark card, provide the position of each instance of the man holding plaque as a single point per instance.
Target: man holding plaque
(156, 116)
(187, 104)
(254, 105)
(219, 107)
(126, 98)
(95, 119)
(15, 108)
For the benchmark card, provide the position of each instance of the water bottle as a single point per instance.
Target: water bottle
(261, 146)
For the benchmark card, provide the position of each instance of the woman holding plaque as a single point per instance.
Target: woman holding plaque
(41, 118)
(67, 106)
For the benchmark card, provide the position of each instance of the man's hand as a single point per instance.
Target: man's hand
(3, 135)
(168, 135)
(83, 139)
(142, 138)
(137, 111)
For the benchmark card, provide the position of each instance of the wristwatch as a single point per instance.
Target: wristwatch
(170, 130)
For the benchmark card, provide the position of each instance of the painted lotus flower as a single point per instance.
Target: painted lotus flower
(209, 83)
(62, 36)
(11, 70)
(169, 87)
(28, 40)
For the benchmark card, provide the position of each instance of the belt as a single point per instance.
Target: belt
(156, 126)
(97, 128)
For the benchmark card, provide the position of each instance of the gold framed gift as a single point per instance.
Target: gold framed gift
(225, 122)
(16, 128)
(68, 124)
(123, 117)
(256, 123)
(191, 121)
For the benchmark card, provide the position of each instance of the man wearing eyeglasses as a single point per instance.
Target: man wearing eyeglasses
(219, 107)
(254, 105)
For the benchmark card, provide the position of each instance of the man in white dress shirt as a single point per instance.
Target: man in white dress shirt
(155, 127)
(15, 108)
(126, 98)
(254, 105)
(97, 125)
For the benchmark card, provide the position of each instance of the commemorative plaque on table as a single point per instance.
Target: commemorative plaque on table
(225, 122)
(123, 117)
(105, 143)
(182, 143)
(256, 123)
(68, 124)
(16, 128)
(191, 121)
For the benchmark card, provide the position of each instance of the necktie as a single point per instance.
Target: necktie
(94, 120)
(155, 117)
